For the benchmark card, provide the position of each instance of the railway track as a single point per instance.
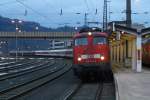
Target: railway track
(5, 63)
(9, 68)
(83, 91)
(17, 65)
(102, 90)
(45, 75)
(16, 79)
(29, 67)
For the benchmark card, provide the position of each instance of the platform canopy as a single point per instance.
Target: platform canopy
(126, 45)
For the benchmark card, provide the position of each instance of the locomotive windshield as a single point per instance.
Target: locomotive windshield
(99, 40)
(81, 41)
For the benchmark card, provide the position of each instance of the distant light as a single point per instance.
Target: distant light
(76, 28)
(90, 33)
(19, 31)
(20, 21)
(13, 21)
(93, 28)
(17, 28)
(36, 27)
(122, 32)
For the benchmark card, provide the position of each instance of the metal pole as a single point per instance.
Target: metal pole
(139, 53)
(85, 19)
(128, 13)
(16, 42)
(105, 16)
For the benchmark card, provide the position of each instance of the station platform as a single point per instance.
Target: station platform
(131, 85)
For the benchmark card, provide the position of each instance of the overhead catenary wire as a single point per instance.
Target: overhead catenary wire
(92, 11)
(92, 7)
(26, 6)
(45, 15)
(95, 9)
(68, 13)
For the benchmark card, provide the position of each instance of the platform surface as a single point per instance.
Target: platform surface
(132, 85)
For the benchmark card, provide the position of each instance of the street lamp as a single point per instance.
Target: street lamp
(16, 22)
(36, 28)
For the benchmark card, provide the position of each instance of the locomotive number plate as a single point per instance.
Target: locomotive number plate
(87, 56)
(90, 56)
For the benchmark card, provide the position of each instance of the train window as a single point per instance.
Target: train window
(99, 40)
(81, 41)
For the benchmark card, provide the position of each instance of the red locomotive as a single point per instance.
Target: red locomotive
(146, 52)
(90, 51)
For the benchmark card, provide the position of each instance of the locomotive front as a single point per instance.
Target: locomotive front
(91, 52)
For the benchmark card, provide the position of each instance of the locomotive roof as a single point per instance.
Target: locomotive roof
(90, 29)
(85, 34)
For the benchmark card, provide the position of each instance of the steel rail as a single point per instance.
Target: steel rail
(32, 72)
(99, 92)
(24, 72)
(36, 83)
(69, 94)
(16, 66)
(8, 63)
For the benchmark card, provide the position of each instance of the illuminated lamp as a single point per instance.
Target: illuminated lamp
(102, 57)
(79, 59)
(122, 32)
(89, 33)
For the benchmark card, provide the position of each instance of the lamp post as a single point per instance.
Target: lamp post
(37, 46)
(36, 28)
(128, 13)
(16, 22)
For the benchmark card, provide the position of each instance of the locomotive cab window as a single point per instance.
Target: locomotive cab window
(81, 41)
(99, 40)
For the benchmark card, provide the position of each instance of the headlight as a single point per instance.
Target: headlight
(89, 33)
(79, 59)
(102, 57)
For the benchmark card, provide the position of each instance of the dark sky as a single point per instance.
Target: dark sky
(47, 12)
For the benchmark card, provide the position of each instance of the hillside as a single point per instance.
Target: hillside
(7, 26)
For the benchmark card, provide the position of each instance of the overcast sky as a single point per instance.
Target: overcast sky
(47, 12)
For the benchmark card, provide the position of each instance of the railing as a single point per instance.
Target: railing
(37, 34)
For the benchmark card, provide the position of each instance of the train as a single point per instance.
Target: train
(55, 53)
(146, 51)
(91, 52)
(44, 53)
